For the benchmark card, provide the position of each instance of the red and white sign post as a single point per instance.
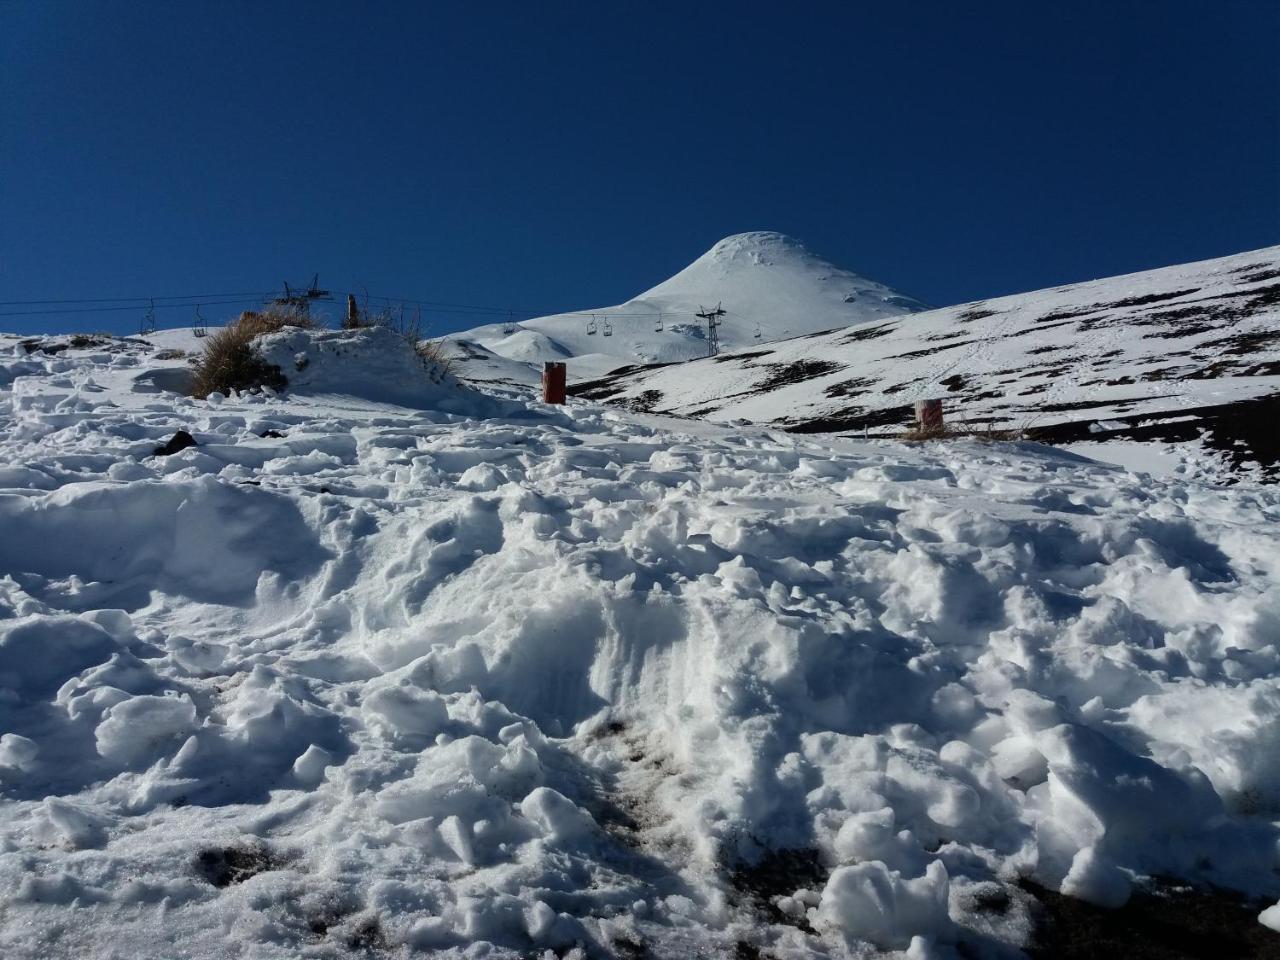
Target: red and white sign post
(929, 416)
(553, 381)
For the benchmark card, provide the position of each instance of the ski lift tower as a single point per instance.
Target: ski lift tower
(301, 299)
(713, 327)
(148, 324)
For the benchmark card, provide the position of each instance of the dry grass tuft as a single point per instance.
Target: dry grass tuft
(229, 361)
(80, 341)
(920, 435)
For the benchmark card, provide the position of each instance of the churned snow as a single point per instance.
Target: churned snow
(386, 666)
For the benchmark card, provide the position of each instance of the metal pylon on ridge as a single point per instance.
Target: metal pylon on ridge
(713, 327)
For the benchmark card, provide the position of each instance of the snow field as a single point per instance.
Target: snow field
(1158, 350)
(495, 679)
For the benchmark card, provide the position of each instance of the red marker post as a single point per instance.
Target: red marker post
(929, 416)
(553, 381)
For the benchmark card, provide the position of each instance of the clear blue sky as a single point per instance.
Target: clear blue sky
(562, 155)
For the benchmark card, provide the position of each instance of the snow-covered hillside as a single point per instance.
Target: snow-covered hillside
(481, 678)
(1144, 355)
(771, 287)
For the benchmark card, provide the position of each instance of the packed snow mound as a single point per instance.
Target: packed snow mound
(370, 363)
(1163, 356)
(349, 678)
(194, 538)
(771, 286)
(530, 346)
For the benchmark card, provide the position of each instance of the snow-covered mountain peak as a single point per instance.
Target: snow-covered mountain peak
(770, 285)
(763, 247)
(792, 279)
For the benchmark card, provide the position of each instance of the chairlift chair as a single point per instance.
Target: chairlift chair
(591, 327)
(200, 327)
(608, 328)
(757, 334)
(658, 327)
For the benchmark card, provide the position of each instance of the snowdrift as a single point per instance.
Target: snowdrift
(351, 679)
(371, 363)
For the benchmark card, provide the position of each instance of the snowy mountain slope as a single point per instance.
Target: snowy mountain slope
(768, 283)
(1192, 341)
(349, 679)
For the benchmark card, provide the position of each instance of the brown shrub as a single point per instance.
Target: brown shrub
(80, 341)
(229, 361)
(433, 352)
(919, 434)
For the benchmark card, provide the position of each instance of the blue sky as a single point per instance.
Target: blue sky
(548, 156)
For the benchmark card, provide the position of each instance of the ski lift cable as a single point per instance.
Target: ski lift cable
(137, 301)
(52, 306)
(132, 306)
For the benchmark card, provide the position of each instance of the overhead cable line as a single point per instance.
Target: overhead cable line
(138, 300)
(134, 307)
(55, 306)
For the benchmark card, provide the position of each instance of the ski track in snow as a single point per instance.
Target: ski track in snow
(550, 680)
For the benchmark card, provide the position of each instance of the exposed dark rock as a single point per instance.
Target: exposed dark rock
(225, 866)
(854, 418)
(798, 371)
(778, 873)
(1165, 922)
(179, 441)
(646, 401)
(1244, 430)
(868, 333)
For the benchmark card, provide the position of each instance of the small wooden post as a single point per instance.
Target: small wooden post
(929, 416)
(553, 381)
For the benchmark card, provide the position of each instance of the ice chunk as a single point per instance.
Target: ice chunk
(1270, 917)
(866, 836)
(405, 710)
(78, 827)
(17, 751)
(868, 901)
(556, 816)
(1094, 878)
(135, 730)
(197, 657)
(310, 767)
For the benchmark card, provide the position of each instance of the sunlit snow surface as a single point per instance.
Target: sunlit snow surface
(515, 681)
(1129, 354)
